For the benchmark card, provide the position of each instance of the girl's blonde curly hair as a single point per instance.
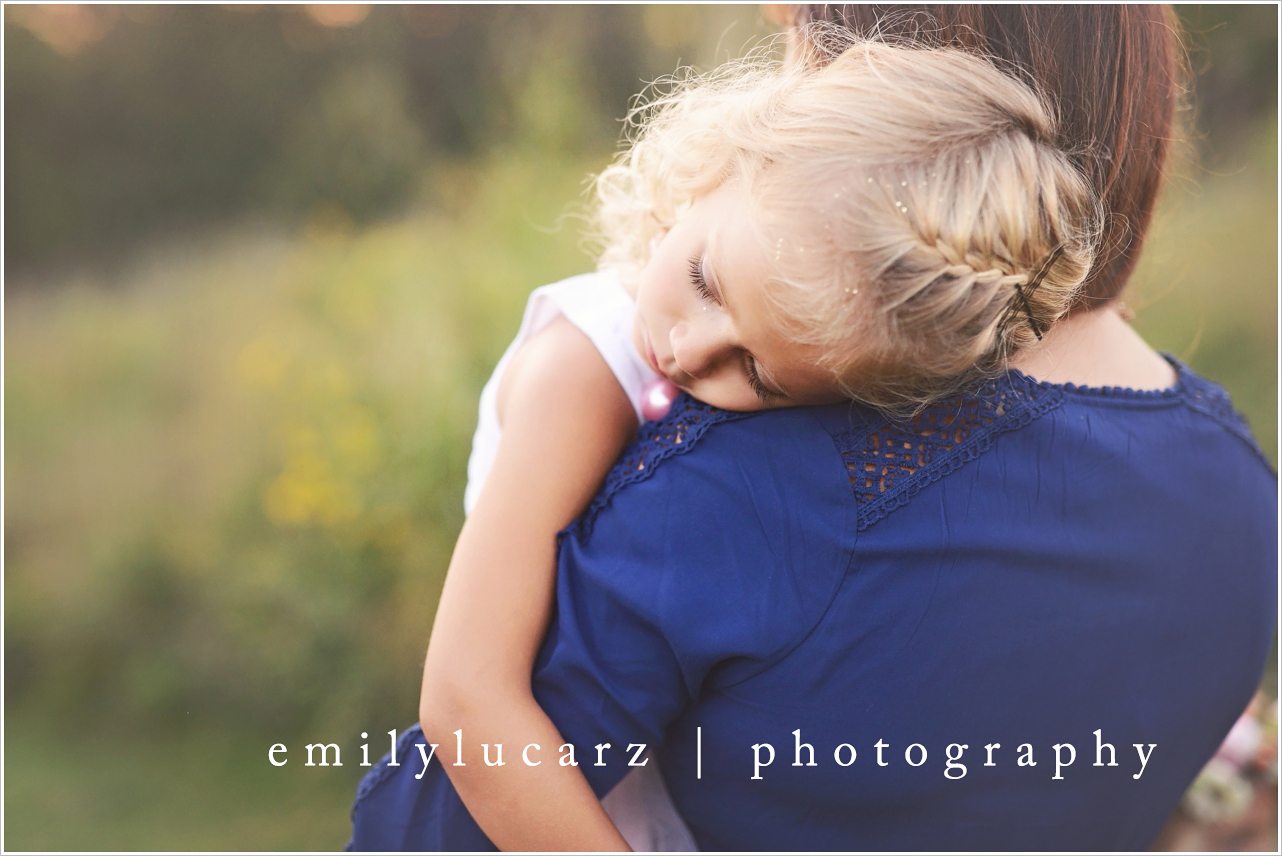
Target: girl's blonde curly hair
(906, 198)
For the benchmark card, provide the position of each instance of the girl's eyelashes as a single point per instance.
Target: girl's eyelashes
(701, 286)
(754, 380)
(700, 283)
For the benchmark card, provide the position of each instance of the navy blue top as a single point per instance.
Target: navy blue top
(1029, 564)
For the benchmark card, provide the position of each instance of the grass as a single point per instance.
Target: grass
(195, 789)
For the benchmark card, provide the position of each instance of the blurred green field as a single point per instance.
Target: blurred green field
(234, 476)
(197, 790)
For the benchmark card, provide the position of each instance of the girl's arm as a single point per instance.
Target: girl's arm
(565, 420)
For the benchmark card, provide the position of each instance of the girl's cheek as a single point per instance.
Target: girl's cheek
(645, 285)
(728, 395)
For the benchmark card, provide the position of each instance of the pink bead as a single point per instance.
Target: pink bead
(657, 398)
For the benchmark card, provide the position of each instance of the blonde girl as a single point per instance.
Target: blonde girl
(887, 228)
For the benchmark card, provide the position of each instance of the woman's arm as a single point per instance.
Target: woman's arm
(565, 420)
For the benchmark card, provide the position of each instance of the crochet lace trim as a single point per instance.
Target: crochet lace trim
(888, 463)
(656, 441)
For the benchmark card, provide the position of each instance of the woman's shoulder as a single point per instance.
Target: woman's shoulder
(1016, 424)
(1214, 402)
(1193, 419)
(770, 510)
(736, 454)
(1185, 437)
(730, 531)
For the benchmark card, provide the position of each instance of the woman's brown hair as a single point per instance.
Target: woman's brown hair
(1114, 72)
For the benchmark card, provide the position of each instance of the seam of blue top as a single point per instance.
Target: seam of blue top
(675, 434)
(1191, 390)
(1211, 400)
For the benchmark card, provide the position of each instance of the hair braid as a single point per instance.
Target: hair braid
(909, 195)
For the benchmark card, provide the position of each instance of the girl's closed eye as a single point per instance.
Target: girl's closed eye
(754, 380)
(699, 281)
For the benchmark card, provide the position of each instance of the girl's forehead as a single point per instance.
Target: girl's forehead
(738, 257)
(733, 227)
(756, 250)
(731, 243)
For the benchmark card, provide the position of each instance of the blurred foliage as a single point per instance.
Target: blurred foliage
(1232, 54)
(234, 478)
(259, 263)
(126, 120)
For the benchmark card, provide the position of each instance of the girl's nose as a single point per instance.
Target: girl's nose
(699, 344)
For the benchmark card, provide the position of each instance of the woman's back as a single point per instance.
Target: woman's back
(1027, 566)
(1029, 569)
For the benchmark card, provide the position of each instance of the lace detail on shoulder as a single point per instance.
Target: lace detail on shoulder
(1210, 399)
(890, 462)
(655, 442)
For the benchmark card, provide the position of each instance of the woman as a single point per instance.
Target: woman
(1023, 621)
